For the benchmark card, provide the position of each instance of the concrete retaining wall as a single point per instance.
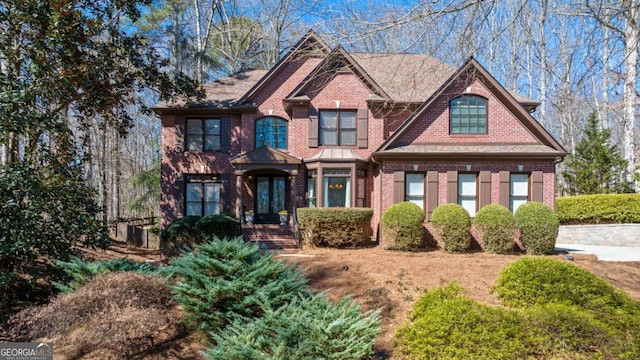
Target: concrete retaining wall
(606, 234)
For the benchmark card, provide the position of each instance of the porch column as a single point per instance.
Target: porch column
(239, 184)
(293, 192)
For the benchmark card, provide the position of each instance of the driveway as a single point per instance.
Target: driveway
(604, 253)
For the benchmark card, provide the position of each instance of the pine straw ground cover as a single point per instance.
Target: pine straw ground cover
(377, 278)
(121, 315)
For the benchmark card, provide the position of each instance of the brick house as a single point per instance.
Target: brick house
(327, 127)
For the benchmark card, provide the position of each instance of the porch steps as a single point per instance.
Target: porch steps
(271, 236)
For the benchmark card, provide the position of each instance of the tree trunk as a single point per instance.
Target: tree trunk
(630, 71)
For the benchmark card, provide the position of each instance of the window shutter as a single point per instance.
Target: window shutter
(313, 130)
(536, 186)
(431, 192)
(180, 135)
(363, 128)
(452, 187)
(225, 193)
(398, 186)
(225, 134)
(180, 203)
(484, 197)
(505, 187)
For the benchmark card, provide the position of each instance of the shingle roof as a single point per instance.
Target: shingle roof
(220, 94)
(405, 77)
(466, 149)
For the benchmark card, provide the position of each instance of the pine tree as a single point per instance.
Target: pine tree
(597, 166)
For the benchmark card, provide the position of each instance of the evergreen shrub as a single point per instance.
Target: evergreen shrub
(452, 226)
(335, 227)
(403, 226)
(189, 231)
(307, 328)
(496, 227)
(598, 209)
(80, 272)
(225, 280)
(530, 282)
(538, 226)
(444, 324)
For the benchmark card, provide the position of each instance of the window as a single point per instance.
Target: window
(467, 194)
(203, 197)
(271, 131)
(203, 134)
(468, 115)
(519, 191)
(337, 187)
(337, 127)
(414, 189)
(311, 188)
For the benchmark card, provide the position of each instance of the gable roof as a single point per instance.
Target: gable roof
(224, 93)
(265, 155)
(405, 77)
(499, 91)
(335, 61)
(309, 44)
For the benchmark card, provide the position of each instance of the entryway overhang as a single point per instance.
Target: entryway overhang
(266, 158)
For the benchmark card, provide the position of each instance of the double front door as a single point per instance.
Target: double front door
(270, 198)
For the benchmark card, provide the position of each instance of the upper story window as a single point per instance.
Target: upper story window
(271, 131)
(468, 115)
(338, 127)
(203, 134)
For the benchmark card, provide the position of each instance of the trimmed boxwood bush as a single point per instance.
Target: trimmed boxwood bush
(335, 227)
(402, 226)
(307, 328)
(496, 227)
(598, 209)
(538, 226)
(452, 226)
(225, 280)
(188, 231)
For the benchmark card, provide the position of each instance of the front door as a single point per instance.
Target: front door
(270, 198)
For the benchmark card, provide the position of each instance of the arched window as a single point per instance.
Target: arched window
(271, 131)
(468, 115)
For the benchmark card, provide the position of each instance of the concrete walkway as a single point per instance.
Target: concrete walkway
(604, 253)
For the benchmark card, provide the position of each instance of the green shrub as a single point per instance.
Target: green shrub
(541, 281)
(224, 280)
(446, 325)
(403, 226)
(307, 328)
(80, 272)
(496, 227)
(537, 281)
(335, 227)
(179, 234)
(189, 231)
(538, 226)
(222, 226)
(452, 226)
(596, 209)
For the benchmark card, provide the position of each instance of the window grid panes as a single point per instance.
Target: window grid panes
(467, 192)
(311, 188)
(414, 189)
(519, 191)
(338, 127)
(468, 115)
(203, 134)
(271, 131)
(203, 198)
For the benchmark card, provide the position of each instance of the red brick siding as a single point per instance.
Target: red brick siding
(433, 127)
